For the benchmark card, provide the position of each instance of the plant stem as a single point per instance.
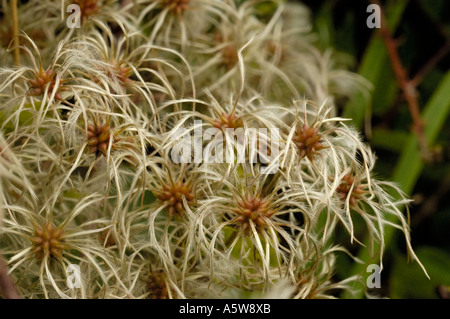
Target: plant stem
(15, 18)
(7, 287)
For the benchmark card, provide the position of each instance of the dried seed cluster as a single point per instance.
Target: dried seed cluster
(120, 72)
(349, 186)
(156, 285)
(177, 6)
(229, 56)
(98, 138)
(42, 80)
(87, 8)
(47, 241)
(252, 210)
(308, 141)
(228, 121)
(173, 195)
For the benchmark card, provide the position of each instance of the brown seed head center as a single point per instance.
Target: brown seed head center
(308, 141)
(87, 8)
(345, 186)
(229, 57)
(47, 241)
(40, 82)
(120, 72)
(172, 195)
(228, 121)
(156, 285)
(177, 6)
(98, 138)
(253, 209)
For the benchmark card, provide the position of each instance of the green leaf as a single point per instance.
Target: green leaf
(389, 139)
(407, 281)
(324, 25)
(435, 113)
(385, 92)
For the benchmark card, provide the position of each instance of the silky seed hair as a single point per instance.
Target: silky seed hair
(89, 124)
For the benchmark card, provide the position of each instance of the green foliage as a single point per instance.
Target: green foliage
(407, 280)
(386, 122)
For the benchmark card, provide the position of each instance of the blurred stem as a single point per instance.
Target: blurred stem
(15, 18)
(7, 287)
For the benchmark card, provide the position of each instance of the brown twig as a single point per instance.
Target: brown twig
(7, 287)
(15, 18)
(405, 83)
